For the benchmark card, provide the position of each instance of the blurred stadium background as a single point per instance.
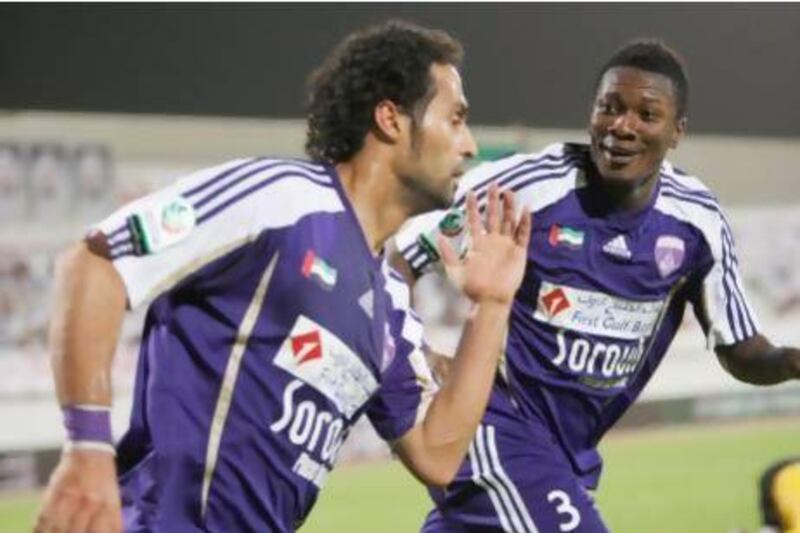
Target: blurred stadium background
(101, 104)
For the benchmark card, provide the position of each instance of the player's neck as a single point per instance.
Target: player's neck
(373, 198)
(623, 197)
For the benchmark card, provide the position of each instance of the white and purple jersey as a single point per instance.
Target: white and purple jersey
(603, 293)
(272, 329)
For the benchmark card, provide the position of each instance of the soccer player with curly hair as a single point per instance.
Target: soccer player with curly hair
(275, 321)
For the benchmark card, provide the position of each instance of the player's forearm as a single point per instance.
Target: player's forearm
(88, 311)
(455, 412)
(758, 362)
(773, 366)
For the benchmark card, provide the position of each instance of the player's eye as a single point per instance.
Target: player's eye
(606, 108)
(648, 115)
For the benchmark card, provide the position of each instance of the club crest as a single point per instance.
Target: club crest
(669, 254)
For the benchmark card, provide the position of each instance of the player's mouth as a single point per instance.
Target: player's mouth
(616, 154)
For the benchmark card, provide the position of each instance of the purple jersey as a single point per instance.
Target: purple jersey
(272, 330)
(603, 294)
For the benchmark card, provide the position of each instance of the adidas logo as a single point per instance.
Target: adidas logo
(618, 247)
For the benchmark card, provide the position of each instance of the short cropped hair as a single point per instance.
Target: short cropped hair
(652, 55)
(390, 61)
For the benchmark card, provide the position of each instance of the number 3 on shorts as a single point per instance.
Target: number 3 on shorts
(565, 507)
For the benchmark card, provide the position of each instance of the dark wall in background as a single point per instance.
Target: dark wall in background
(530, 64)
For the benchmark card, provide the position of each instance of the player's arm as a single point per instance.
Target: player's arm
(89, 308)
(757, 361)
(489, 275)
(434, 449)
(730, 322)
(90, 301)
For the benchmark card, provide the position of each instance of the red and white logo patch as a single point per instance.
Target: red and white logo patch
(555, 301)
(323, 361)
(307, 347)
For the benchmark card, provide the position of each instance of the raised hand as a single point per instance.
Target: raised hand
(493, 268)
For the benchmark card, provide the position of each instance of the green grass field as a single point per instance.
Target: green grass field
(699, 479)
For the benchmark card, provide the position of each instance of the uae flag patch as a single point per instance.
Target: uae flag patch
(564, 235)
(314, 267)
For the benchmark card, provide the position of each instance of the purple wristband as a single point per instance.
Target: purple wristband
(87, 424)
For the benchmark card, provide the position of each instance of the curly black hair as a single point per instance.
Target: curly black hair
(652, 55)
(390, 61)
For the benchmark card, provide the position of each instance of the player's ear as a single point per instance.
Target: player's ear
(680, 131)
(389, 120)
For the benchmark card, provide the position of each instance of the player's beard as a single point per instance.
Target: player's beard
(422, 195)
(425, 191)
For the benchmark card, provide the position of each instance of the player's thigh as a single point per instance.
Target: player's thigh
(561, 504)
(529, 485)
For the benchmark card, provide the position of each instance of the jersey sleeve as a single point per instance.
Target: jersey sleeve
(407, 385)
(160, 240)
(721, 304)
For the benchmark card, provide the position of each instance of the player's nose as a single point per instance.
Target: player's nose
(624, 126)
(469, 147)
